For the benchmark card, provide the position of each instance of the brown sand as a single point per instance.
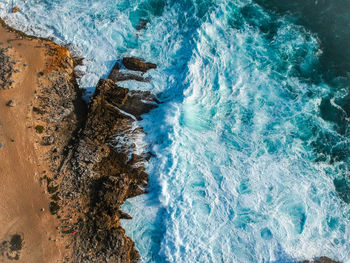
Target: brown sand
(23, 202)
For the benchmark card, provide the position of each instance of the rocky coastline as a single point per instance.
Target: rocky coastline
(92, 152)
(91, 155)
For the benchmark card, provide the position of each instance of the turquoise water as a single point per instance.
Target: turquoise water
(249, 153)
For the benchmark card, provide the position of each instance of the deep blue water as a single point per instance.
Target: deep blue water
(251, 141)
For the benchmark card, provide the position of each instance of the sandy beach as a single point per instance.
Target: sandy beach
(24, 206)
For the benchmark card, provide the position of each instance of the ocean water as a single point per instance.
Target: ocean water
(251, 140)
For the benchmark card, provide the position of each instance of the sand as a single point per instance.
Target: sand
(23, 199)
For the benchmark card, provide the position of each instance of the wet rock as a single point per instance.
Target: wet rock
(124, 215)
(321, 260)
(137, 64)
(134, 103)
(15, 9)
(142, 24)
(117, 76)
(11, 103)
(101, 174)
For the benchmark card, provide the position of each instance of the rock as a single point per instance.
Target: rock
(117, 76)
(137, 103)
(124, 215)
(11, 103)
(137, 64)
(1, 145)
(15, 9)
(134, 103)
(48, 140)
(142, 24)
(103, 172)
(321, 260)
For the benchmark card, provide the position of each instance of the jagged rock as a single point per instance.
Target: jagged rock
(124, 215)
(137, 64)
(101, 172)
(135, 103)
(321, 260)
(117, 76)
(142, 24)
(15, 9)
(11, 103)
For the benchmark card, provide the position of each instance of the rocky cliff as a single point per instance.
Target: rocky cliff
(102, 170)
(100, 167)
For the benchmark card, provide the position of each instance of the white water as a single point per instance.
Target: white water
(235, 177)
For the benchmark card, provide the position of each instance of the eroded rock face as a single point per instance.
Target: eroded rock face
(116, 75)
(137, 64)
(103, 171)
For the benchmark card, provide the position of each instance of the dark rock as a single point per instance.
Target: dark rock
(321, 260)
(117, 76)
(11, 103)
(123, 215)
(142, 24)
(137, 64)
(134, 103)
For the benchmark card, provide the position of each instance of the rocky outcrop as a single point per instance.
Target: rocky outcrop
(95, 161)
(116, 75)
(102, 171)
(137, 64)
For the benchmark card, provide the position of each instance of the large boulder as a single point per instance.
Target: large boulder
(137, 64)
(117, 76)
